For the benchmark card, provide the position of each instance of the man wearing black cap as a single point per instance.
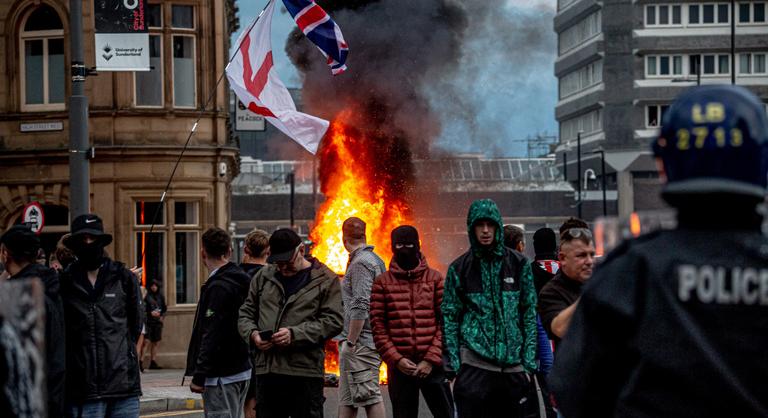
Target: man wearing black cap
(18, 249)
(293, 307)
(217, 357)
(104, 313)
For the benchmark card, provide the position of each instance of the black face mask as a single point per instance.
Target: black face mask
(90, 255)
(407, 258)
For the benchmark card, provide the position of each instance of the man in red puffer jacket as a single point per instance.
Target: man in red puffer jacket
(405, 319)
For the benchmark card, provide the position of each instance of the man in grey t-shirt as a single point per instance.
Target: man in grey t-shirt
(359, 361)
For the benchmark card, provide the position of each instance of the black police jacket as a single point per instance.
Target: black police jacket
(215, 348)
(54, 334)
(674, 324)
(103, 324)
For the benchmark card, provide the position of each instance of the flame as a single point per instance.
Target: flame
(383, 379)
(352, 188)
(143, 247)
(332, 361)
(332, 357)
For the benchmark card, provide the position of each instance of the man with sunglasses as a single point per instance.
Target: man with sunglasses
(293, 307)
(673, 324)
(559, 297)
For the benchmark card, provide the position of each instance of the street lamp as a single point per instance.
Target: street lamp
(589, 175)
(578, 171)
(602, 175)
(733, 41)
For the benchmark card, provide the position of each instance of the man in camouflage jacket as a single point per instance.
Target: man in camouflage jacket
(489, 312)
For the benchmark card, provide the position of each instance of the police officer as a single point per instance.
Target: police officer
(675, 323)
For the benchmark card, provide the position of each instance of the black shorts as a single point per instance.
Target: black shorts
(154, 332)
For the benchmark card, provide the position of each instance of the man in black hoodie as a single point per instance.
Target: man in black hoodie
(104, 312)
(18, 250)
(218, 358)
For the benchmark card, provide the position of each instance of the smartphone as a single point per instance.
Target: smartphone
(266, 335)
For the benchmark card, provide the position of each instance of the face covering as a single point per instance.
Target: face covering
(408, 258)
(90, 255)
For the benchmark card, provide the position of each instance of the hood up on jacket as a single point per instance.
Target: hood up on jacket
(485, 209)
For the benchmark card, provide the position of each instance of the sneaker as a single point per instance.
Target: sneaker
(154, 366)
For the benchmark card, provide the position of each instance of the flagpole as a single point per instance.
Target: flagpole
(200, 116)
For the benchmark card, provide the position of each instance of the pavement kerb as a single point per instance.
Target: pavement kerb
(150, 405)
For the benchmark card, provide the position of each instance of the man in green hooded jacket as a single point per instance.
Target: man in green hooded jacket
(489, 313)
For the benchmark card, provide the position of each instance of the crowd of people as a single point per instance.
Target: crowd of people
(654, 333)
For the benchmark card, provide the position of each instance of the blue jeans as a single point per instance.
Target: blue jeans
(114, 408)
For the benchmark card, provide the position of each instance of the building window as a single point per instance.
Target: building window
(149, 84)
(183, 44)
(179, 33)
(654, 114)
(709, 14)
(663, 15)
(581, 79)
(184, 71)
(587, 123)
(713, 64)
(663, 65)
(753, 63)
(175, 234)
(42, 72)
(578, 34)
(752, 13)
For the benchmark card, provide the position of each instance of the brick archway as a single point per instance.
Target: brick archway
(13, 199)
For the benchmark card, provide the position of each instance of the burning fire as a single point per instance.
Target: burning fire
(332, 361)
(353, 187)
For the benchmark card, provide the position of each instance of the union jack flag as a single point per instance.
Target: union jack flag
(321, 30)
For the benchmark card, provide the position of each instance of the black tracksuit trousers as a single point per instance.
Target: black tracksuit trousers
(404, 394)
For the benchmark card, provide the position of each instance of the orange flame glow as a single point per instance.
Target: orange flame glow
(332, 361)
(352, 188)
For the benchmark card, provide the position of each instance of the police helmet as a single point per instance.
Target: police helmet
(714, 139)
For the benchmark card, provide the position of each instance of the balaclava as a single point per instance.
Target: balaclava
(409, 256)
(90, 255)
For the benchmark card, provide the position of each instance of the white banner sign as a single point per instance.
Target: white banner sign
(245, 120)
(122, 38)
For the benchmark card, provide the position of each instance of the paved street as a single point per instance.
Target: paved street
(165, 397)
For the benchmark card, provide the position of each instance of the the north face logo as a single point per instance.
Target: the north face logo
(209, 313)
(509, 280)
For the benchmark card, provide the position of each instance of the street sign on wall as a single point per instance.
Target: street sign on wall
(33, 216)
(122, 37)
(245, 120)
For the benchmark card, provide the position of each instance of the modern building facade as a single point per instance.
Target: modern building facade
(620, 64)
(138, 125)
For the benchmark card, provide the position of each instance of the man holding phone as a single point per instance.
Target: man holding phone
(293, 307)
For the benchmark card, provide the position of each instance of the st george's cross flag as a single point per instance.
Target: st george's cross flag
(254, 79)
(319, 28)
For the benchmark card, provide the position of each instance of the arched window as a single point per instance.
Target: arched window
(42, 75)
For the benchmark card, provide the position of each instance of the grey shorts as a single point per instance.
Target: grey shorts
(359, 376)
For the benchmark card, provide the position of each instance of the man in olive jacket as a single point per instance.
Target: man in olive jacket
(293, 308)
